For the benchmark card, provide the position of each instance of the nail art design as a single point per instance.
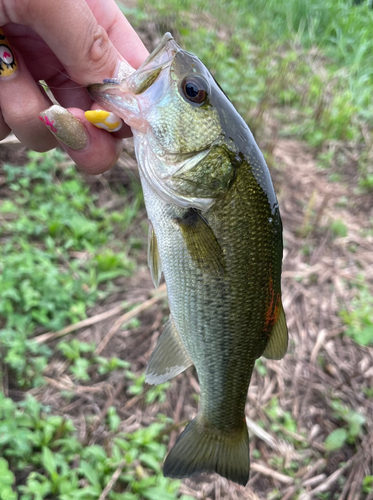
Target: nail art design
(65, 127)
(48, 123)
(8, 63)
(104, 119)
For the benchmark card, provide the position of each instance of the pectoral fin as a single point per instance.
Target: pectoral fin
(278, 342)
(169, 357)
(154, 261)
(201, 242)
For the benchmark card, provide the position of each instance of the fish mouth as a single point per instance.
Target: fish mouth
(123, 98)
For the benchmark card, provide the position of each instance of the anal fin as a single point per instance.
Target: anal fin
(169, 357)
(154, 261)
(278, 342)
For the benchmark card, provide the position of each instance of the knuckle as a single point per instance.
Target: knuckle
(97, 59)
(25, 124)
(98, 47)
(93, 163)
(22, 115)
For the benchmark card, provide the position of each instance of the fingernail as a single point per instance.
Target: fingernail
(104, 119)
(8, 63)
(65, 127)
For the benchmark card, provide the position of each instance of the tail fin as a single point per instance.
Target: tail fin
(201, 449)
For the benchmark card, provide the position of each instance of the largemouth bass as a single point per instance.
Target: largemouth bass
(216, 234)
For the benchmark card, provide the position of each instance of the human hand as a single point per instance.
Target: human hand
(69, 44)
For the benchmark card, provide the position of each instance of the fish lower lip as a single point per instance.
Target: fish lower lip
(100, 88)
(95, 88)
(94, 91)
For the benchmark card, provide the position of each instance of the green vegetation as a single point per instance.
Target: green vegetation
(282, 420)
(152, 394)
(353, 422)
(338, 228)
(58, 252)
(359, 319)
(368, 484)
(45, 446)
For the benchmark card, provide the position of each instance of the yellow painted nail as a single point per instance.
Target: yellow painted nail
(8, 63)
(104, 119)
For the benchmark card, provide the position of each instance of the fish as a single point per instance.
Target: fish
(216, 235)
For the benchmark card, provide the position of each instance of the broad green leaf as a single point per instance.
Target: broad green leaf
(368, 484)
(336, 439)
(158, 493)
(49, 461)
(150, 462)
(8, 207)
(90, 473)
(6, 475)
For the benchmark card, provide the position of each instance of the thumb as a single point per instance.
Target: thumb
(71, 30)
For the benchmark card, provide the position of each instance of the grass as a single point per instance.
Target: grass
(359, 317)
(51, 217)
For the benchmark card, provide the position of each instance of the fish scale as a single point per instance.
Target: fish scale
(217, 236)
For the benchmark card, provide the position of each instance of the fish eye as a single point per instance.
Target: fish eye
(194, 89)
